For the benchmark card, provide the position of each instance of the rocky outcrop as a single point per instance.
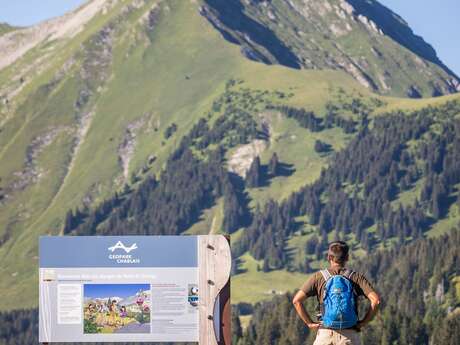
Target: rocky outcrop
(230, 19)
(32, 172)
(356, 72)
(241, 160)
(128, 144)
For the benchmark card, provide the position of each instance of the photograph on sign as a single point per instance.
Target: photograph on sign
(117, 308)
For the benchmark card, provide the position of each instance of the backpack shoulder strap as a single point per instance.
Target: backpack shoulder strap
(326, 275)
(348, 273)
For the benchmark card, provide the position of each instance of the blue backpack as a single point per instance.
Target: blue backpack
(338, 304)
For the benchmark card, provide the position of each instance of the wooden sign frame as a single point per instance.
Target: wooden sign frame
(214, 265)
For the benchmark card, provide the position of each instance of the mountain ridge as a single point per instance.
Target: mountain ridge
(19, 41)
(345, 19)
(319, 36)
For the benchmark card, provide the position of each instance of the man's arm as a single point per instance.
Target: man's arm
(298, 300)
(375, 301)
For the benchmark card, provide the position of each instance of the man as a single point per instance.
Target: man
(324, 284)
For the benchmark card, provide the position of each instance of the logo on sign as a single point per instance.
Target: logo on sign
(120, 245)
(123, 258)
(193, 295)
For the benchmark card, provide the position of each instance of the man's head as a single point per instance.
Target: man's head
(338, 253)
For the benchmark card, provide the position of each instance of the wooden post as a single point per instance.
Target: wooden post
(214, 265)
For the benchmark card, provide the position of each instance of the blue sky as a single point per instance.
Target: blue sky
(113, 290)
(435, 20)
(27, 12)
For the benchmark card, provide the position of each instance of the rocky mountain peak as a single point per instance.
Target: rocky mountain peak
(361, 37)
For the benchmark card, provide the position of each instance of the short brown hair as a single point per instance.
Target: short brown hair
(338, 252)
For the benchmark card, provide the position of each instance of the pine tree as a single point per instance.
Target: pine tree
(69, 223)
(266, 266)
(253, 176)
(321, 146)
(233, 211)
(237, 331)
(273, 165)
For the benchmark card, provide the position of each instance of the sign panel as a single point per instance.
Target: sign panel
(118, 289)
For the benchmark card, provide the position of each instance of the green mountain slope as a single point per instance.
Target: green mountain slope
(363, 38)
(94, 111)
(394, 182)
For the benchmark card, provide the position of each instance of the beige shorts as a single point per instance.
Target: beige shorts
(337, 337)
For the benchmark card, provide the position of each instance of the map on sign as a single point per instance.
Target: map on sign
(118, 288)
